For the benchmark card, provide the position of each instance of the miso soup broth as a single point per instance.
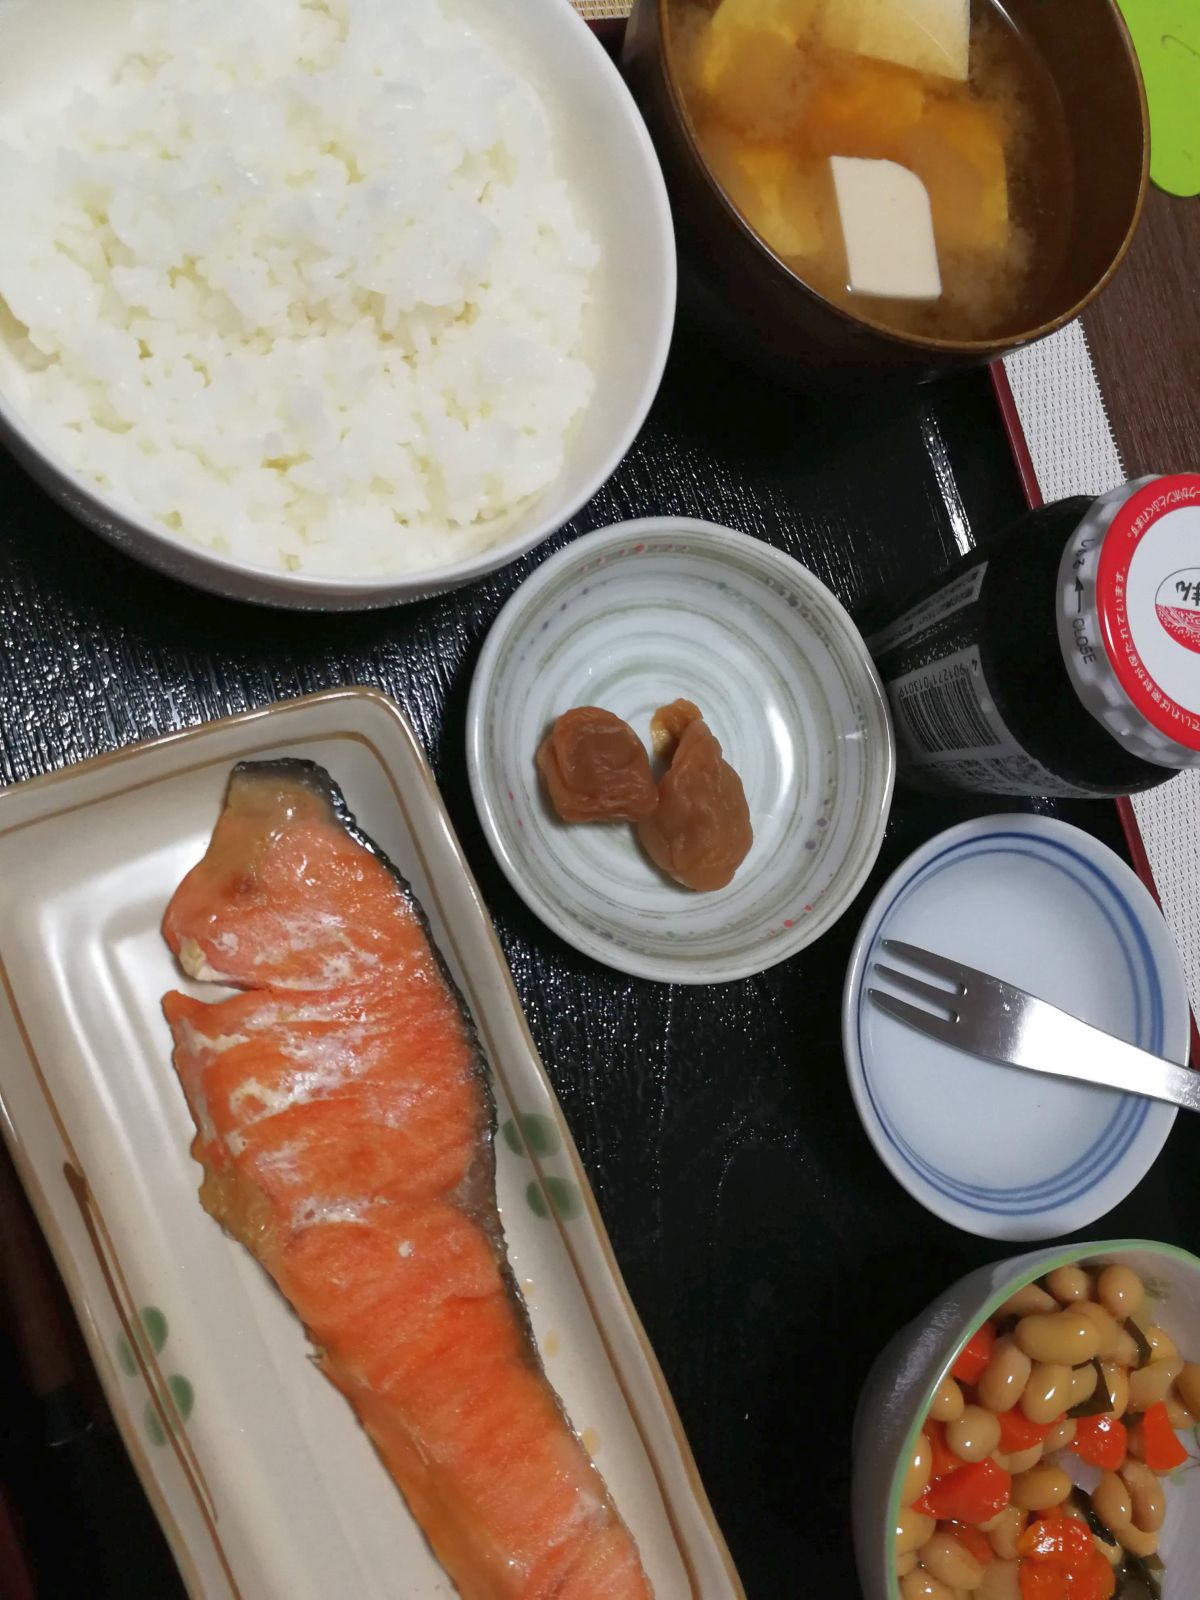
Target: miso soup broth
(818, 118)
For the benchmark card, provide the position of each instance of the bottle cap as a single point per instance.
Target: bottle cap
(1129, 616)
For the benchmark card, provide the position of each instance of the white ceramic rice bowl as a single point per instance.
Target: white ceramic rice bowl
(54, 46)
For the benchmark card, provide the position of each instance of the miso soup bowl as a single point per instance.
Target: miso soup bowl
(900, 1387)
(736, 283)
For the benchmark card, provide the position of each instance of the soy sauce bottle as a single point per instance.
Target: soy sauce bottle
(1062, 660)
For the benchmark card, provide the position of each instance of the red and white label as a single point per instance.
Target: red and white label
(1178, 605)
(1148, 593)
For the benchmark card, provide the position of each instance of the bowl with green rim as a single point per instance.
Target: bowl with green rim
(899, 1391)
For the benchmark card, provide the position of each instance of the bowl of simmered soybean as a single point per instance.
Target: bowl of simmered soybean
(893, 186)
(1034, 1433)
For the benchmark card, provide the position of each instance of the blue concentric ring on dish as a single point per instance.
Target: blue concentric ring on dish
(1112, 1145)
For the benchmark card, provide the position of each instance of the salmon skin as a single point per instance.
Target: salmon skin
(346, 1127)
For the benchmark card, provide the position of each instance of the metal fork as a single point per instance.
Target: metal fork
(987, 1017)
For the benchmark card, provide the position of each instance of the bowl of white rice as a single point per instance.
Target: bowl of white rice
(324, 303)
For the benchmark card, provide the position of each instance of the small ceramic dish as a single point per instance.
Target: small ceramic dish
(997, 1151)
(635, 616)
(899, 1391)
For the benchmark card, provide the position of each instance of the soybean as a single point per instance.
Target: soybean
(1121, 1291)
(1068, 1284)
(1112, 1504)
(1110, 1330)
(1048, 1393)
(1138, 1542)
(947, 1402)
(1001, 1581)
(916, 1479)
(1083, 1384)
(922, 1585)
(1151, 1384)
(1059, 1437)
(1062, 1337)
(1041, 1489)
(1027, 1302)
(1127, 1352)
(975, 1435)
(1178, 1414)
(1114, 1554)
(1116, 1378)
(951, 1562)
(1003, 1380)
(1161, 1344)
(1003, 1531)
(1188, 1384)
(1146, 1499)
(1022, 1460)
(913, 1529)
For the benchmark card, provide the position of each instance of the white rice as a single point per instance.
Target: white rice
(301, 282)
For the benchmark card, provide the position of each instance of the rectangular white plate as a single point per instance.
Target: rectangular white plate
(263, 1480)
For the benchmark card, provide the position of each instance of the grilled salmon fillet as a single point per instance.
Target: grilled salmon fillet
(345, 1125)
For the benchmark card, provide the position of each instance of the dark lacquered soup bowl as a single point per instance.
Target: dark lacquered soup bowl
(765, 309)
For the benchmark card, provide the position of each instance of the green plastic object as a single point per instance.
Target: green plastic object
(1167, 36)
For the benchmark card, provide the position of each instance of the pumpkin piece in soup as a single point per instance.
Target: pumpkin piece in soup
(701, 833)
(596, 768)
(863, 108)
(957, 150)
(781, 198)
(756, 36)
(761, 89)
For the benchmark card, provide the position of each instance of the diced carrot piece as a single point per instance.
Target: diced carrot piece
(975, 1354)
(1101, 1441)
(971, 1494)
(942, 1458)
(1161, 1449)
(1018, 1433)
(1060, 1562)
(974, 1540)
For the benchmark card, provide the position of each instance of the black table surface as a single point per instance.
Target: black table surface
(769, 1252)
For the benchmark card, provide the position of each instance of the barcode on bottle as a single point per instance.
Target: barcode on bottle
(949, 731)
(942, 710)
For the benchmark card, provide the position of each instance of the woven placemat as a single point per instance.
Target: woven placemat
(603, 10)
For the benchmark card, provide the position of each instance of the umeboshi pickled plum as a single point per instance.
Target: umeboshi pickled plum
(700, 833)
(667, 726)
(596, 768)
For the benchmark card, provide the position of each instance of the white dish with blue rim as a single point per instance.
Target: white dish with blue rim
(633, 617)
(992, 1149)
